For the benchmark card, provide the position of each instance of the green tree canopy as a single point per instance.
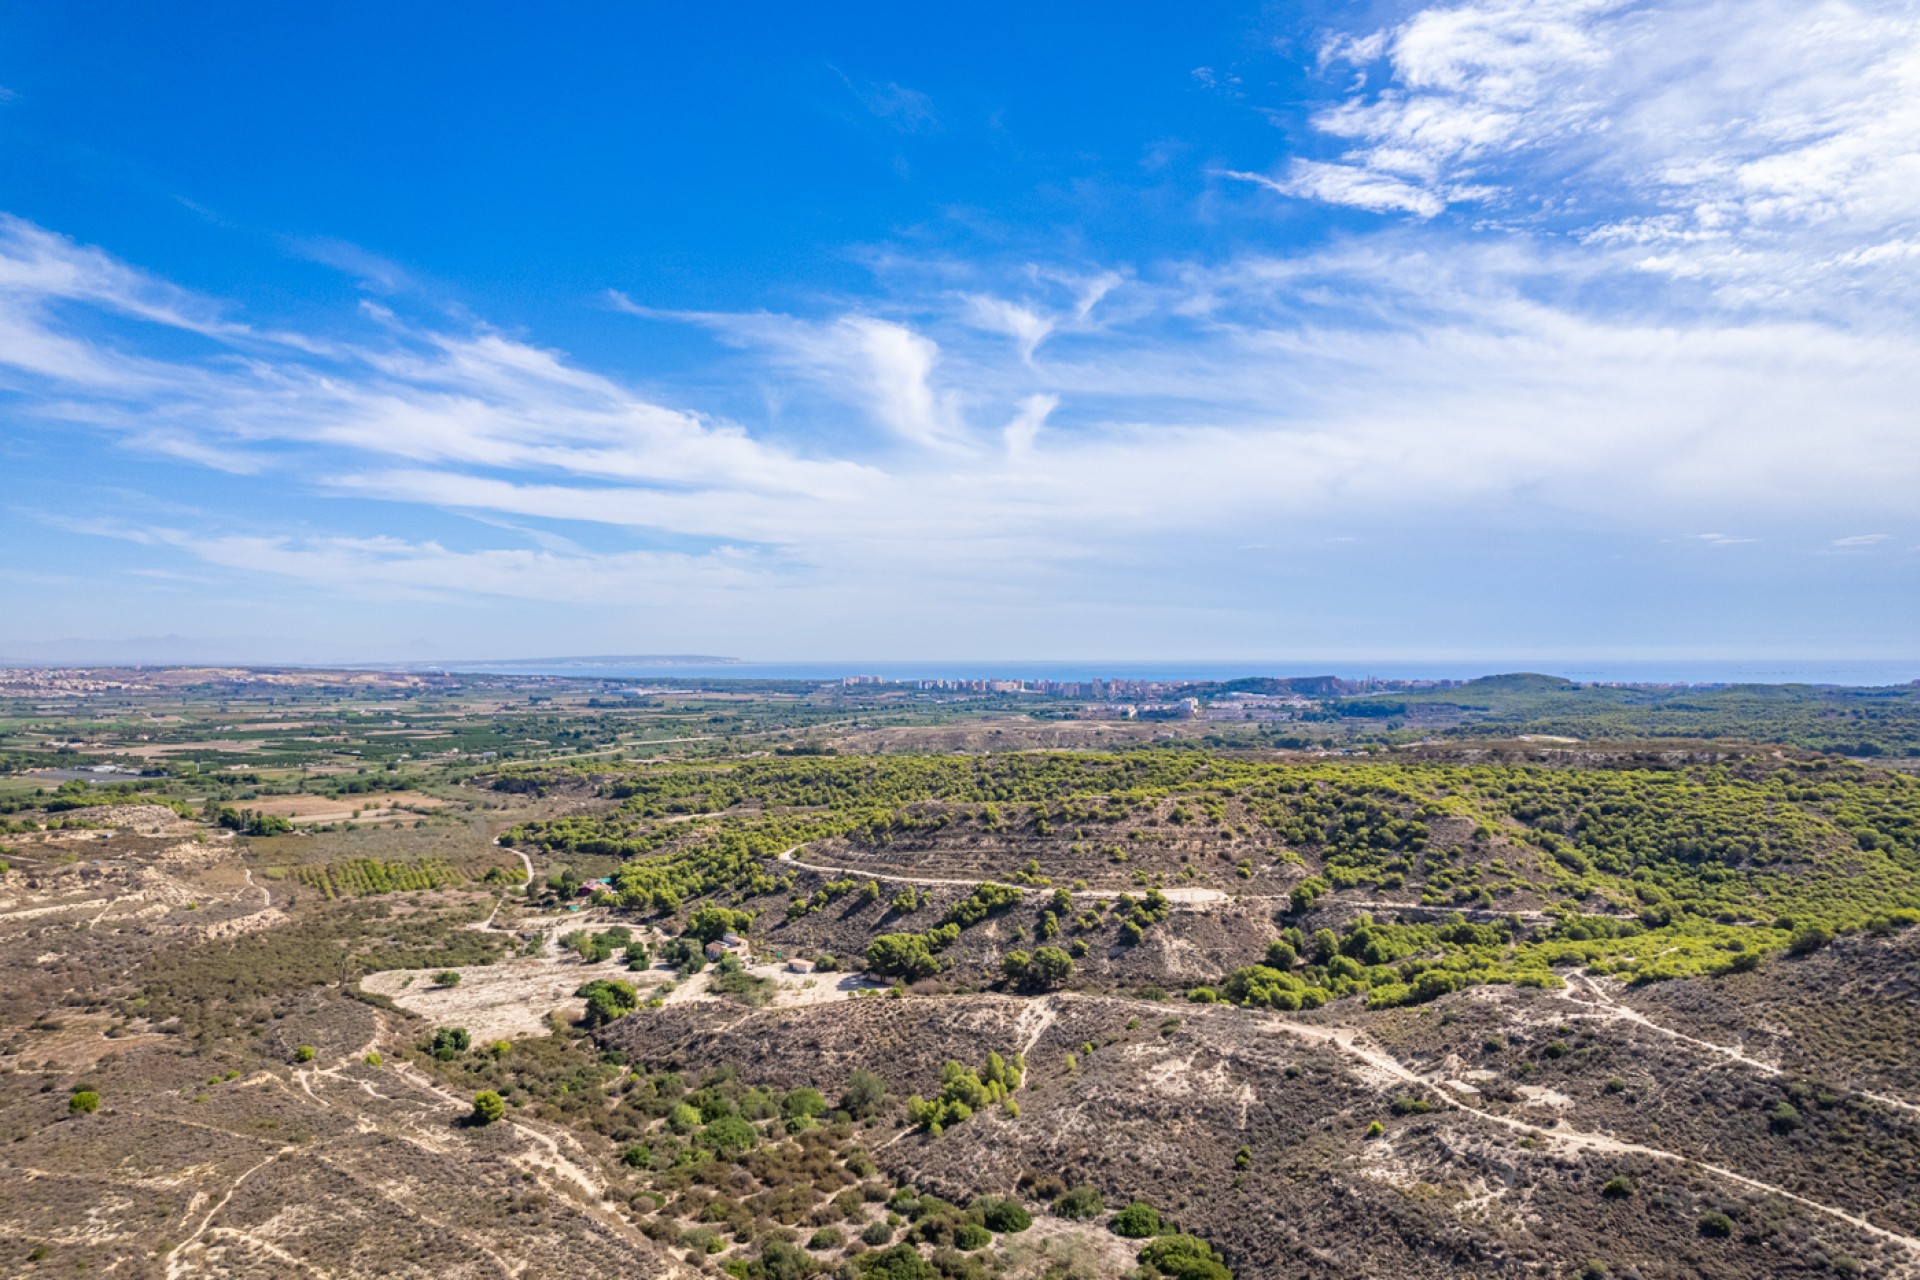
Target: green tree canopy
(488, 1106)
(902, 955)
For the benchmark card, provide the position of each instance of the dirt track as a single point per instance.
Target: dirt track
(1178, 894)
(1357, 1044)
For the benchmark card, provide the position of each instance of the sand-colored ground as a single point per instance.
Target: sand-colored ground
(156, 750)
(501, 1001)
(516, 996)
(363, 808)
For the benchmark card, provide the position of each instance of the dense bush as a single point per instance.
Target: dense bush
(865, 1094)
(1003, 1216)
(1081, 1203)
(901, 1262)
(1185, 1257)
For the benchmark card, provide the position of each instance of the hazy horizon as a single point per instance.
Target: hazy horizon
(1621, 668)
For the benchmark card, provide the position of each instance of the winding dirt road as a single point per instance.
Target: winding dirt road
(1188, 894)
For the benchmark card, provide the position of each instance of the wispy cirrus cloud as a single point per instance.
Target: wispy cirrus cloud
(1640, 324)
(1753, 144)
(1354, 185)
(1241, 401)
(902, 109)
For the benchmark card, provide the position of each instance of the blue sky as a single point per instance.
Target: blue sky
(1544, 328)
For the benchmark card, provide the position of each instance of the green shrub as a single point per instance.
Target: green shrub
(1080, 1204)
(727, 1137)
(1137, 1221)
(803, 1102)
(1808, 939)
(1618, 1187)
(1716, 1224)
(971, 1236)
(779, 1260)
(703, 1240)
(865, 1095)
(1003, 1216)
(1185, 1257)
(902, 1262)
(488, 1106)
(84, 1102)
(826, 1238)
(449, 1043)
(877, 1234)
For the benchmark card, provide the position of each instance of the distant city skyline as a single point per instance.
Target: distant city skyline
(1577, 329)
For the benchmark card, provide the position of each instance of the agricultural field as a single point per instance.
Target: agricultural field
(392, 974)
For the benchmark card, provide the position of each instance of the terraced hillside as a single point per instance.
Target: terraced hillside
(1476, 873)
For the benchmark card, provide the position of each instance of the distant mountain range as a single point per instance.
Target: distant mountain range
(165, 651)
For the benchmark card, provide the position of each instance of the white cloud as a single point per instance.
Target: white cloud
(1023, 324)
(1862, 540)
(1021, 433)
(1465, 83)
(1360, 187)
(392, 566)
(373, 272)
(898, 366)
(1256, 400)
(1761, 144)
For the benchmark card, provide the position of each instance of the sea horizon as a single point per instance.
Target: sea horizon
(1845, 672)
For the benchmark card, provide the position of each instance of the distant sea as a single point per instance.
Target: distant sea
(1727, 671)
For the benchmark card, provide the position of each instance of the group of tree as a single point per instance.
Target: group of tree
(913, 956)
(964, 1091)
(607, 999)
(248, 822)
(1042, 969)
